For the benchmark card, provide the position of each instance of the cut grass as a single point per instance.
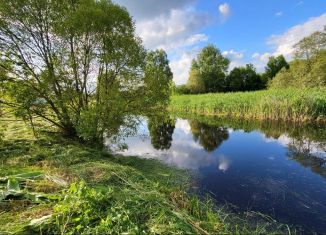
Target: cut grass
(108, 194)
(301, 106)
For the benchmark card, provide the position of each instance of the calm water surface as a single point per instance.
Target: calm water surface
(273, 169)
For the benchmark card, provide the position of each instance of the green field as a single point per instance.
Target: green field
(304, 105)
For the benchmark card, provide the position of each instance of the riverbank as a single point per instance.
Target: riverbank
(299, 106)
(55, 185)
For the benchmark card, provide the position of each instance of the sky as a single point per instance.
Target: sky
(246, 31)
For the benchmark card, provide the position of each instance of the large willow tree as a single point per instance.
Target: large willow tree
(75, 63)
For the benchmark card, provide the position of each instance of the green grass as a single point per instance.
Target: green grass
(304, 105)
(88, 191)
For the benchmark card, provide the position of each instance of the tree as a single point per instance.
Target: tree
(212, 67)
(244, 79)
(301, 74)
(274, 65)
(158, 76)
(195, 84)
(311, 45)
(76, 64)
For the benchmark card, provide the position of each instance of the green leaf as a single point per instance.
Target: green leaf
(13, 184)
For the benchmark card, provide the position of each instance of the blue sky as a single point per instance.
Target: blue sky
(246, 31)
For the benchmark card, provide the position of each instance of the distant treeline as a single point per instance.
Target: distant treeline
(209, 71)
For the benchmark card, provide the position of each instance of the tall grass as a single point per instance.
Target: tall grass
(297, 105)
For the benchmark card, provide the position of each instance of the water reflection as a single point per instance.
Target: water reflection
(210, 137)
(161, 130)
(279, 170)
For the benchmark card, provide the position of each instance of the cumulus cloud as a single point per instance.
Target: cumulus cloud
(174, 26)
(284, 43)
(232, 54)
(262, 57)
(260, 60)
(181, 66)
(147, 9)
(279, 14)
(177, 28)
(224, 10)
(236, 58)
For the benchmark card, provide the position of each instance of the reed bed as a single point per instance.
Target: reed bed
(296, 105)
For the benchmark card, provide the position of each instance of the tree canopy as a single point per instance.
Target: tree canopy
(209, 70)
(274, 65)
(308, 69)
(158, 77)
(76, 64)
(244, 79)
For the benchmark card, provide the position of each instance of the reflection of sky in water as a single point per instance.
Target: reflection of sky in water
(312, 147)
(248, 170)
(184, 152)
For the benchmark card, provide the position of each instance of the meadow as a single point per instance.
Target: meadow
(295, 105)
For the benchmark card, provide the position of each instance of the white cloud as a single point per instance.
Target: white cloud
(236, 58)
(224, 10)
(174, 26)
(177, 28)
(255, 55)
(194, 39)
(279, 14)
(265, 57)
(260, 60)
(284, 43)
(181, 66)
(148, 9)
(232, 54)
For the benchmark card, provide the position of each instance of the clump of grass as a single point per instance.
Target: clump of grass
(98, 193)
(304, 105)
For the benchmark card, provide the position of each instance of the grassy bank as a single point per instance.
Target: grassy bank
(58, 186)
(305, 105)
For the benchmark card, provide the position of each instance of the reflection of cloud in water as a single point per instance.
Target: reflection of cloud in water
(184, 152)
(224, 164)
(313, 148)
(183, 125)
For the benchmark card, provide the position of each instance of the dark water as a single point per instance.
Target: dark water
(279, 170)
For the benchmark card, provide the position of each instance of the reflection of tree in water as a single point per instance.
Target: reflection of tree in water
(210, 137)
(161, 130)
(302, 152)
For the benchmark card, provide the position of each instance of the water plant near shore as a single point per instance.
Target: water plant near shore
(301, 106)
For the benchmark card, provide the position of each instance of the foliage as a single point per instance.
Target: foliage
(310, 46)
(195, 84)
(74, 64)
(274, 65)
(16, 188)
(161, 129)
(209, 70)
(158, 77)
(309, 67)
(297, 105)
(244, 79)
(181, 90)
(303, 74)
